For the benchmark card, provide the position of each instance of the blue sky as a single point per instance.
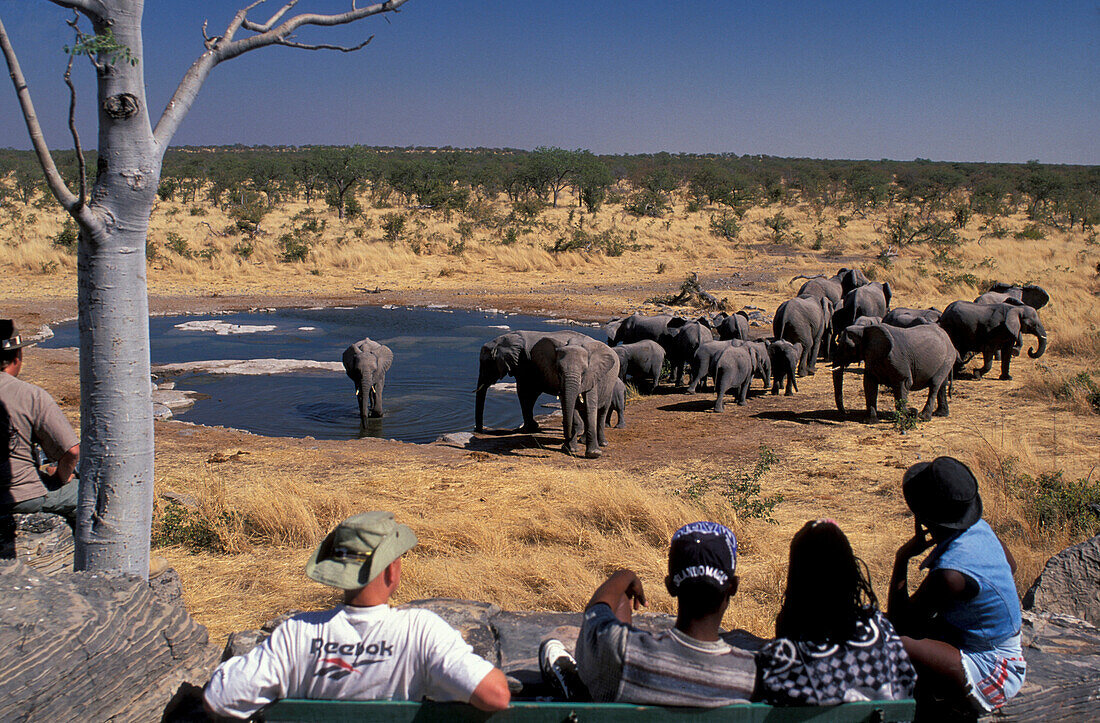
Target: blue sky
(968, 81)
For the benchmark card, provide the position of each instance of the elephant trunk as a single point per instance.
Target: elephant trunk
(361, 397)
(838, 388)
(479, 406)
(570, 391)
(1041, 335)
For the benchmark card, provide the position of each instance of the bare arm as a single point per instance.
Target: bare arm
(492, 692)
(67, 464)
(622, 592)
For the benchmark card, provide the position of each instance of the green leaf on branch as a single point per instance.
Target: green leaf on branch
(99, 44)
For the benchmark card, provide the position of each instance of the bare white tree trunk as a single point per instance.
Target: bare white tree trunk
(116, 465)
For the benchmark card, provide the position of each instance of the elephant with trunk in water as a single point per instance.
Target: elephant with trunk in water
(510, 355)
(367, 362)
(992, 328)
(583, 373)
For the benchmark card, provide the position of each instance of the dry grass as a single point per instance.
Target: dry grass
(540, 533)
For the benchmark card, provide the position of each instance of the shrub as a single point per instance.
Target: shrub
(243, 249)
(197, 211)
(510, 236)
(1051, 502)
(724, 226)
(778, 225)
(646, 203)
(528, 208)
(67, 237)
(352, 208)
(903, 417)
(178, 525)
(1031, 232)
(207, 252)
(48, 267)
(1082, 385)
(963, 213)
(465, 230)
(842, 221)
(392, 225)
(740, 489)
(177, 244)
(295, 249)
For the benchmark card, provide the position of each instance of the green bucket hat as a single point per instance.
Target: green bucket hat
(359, 549)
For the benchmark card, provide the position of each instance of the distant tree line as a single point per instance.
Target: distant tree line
(247, 180)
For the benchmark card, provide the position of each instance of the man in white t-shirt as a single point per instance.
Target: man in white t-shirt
(363, 649)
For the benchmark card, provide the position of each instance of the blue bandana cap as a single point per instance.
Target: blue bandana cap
(705, 551)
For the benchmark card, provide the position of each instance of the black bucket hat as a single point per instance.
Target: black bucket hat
(10, 340)
(942, 493)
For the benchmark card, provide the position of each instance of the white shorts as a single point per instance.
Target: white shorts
(993, 676)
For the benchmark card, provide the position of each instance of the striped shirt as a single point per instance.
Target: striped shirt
(622, 664)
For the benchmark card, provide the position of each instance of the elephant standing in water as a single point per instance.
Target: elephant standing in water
(992, 328)
(510, 354)
(583, 373)
(367, 362)
(906, 359)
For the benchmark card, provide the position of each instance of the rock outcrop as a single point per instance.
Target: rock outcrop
(1070, 583)
(94, 646)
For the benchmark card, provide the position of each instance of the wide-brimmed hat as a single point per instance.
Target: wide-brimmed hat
(10, 338)
(942, 493)
(359, 549)
(703, 551)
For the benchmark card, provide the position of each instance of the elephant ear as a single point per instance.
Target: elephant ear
(600, 366)
(1035, 296)
(877, 338)
(1012, 321)
(509, 353)
(676, 322)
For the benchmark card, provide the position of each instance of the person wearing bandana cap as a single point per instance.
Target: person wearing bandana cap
(362, 649)
(961, 627)
(28, 417)
(688, 665)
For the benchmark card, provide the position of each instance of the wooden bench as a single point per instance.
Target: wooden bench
(892, 711)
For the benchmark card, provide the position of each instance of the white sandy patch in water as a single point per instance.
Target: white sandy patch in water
(224, 328)
(249, 367)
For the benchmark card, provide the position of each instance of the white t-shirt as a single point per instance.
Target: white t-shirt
(350, 653)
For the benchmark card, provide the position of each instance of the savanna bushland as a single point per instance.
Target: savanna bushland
(591, 237)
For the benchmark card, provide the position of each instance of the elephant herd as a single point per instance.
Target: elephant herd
(845, 319)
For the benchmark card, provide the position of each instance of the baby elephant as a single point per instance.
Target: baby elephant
(367, 362)
(733, 373)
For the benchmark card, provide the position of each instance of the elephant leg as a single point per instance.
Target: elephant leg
(570, 425)
(698, 373)
(743, 392)
(926, 413)
(1006, 361)
(870, 393)
(792, 386)
(811, 366)
(941, 399)
(527, 399)
(720, 387)
(987, 364)
(593, 427)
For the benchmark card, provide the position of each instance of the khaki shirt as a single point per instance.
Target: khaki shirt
(28, 413)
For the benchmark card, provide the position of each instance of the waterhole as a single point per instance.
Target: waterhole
(429, 390)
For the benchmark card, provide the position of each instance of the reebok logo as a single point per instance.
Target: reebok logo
(318, 646)
(336, 668)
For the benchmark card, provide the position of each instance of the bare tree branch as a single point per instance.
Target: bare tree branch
(325, 46)
(53, 178)
(82, 196)
(94, 9)
(224, 48)
(248, 25)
